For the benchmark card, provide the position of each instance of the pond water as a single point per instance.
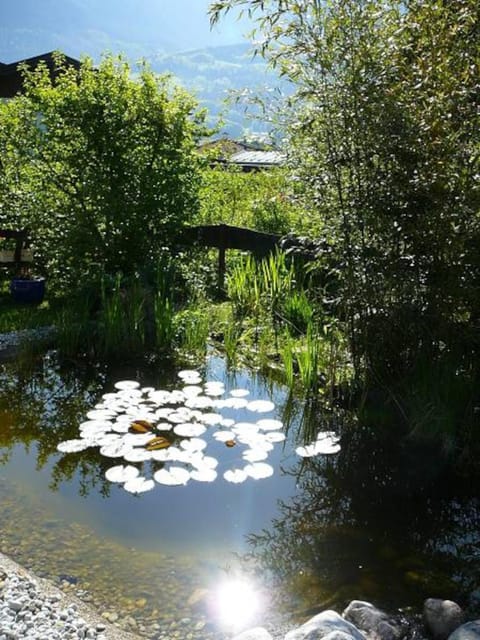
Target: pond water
(317, 532)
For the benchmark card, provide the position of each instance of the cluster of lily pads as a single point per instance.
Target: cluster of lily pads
(145, 424)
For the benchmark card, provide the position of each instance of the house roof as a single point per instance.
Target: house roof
(257, 159)
(11, 81)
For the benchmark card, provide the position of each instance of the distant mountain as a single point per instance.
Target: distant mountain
(173, 35)
(136, 27)
(214, 74)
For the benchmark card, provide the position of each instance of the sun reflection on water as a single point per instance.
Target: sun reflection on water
(236, 603)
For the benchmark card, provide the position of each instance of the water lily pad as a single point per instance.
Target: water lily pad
(74, 445)
(189, 429)
(192, 391)
(198, 402)
(173, 476)
(137, 455)
(267, 424)
(235, 476)
(239, 393)
(162, 455)
(261, 406)
(114, 450)
(100, 414)
(223, 436)
(275, 436)
(138, 485)
(231, 403)
(255, 455)
(203, 474)
(259, 470)
(212, 418)
(121, 473)
(126, 384)
(193, 444)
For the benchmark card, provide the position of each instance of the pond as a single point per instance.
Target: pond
(315, 531)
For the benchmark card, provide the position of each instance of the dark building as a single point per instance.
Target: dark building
(11, 82)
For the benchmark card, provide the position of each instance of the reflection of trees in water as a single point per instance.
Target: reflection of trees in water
(42, 404)
(368, 524)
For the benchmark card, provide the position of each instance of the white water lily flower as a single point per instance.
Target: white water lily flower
(261, 406)
(189, 429)
(126, 384)
(74, 445)
(173, 476)
(203, 474)
(121, 473)
(267, 424)
(235, 476)
(255, 455)
(259, 470)
(138, 485)
(239, 393)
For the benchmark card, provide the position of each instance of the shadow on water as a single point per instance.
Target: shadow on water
(381, 521)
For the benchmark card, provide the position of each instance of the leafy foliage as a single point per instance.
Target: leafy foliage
(99, 166)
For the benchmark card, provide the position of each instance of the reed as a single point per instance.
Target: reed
(308, 360)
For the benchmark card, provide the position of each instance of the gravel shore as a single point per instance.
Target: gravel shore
(33, 609)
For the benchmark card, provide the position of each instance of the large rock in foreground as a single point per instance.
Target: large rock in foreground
(468, 631)
(442, 617)
(376, 624)
(328, 625)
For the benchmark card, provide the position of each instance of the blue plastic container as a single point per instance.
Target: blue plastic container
(28, 291)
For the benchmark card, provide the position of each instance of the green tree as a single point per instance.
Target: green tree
(384, 131)
(100, 166)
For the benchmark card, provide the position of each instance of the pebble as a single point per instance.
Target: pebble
(27, 613)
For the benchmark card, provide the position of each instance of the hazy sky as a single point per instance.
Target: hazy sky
(90, 26)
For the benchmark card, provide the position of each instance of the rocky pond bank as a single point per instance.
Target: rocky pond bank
(32, 608)
(442, 620)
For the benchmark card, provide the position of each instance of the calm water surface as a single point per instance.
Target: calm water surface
(320, 531)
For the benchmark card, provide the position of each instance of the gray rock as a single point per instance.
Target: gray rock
(324, 624)
(468, 631)
(374, 622)
(442, 617)
(257, 633)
